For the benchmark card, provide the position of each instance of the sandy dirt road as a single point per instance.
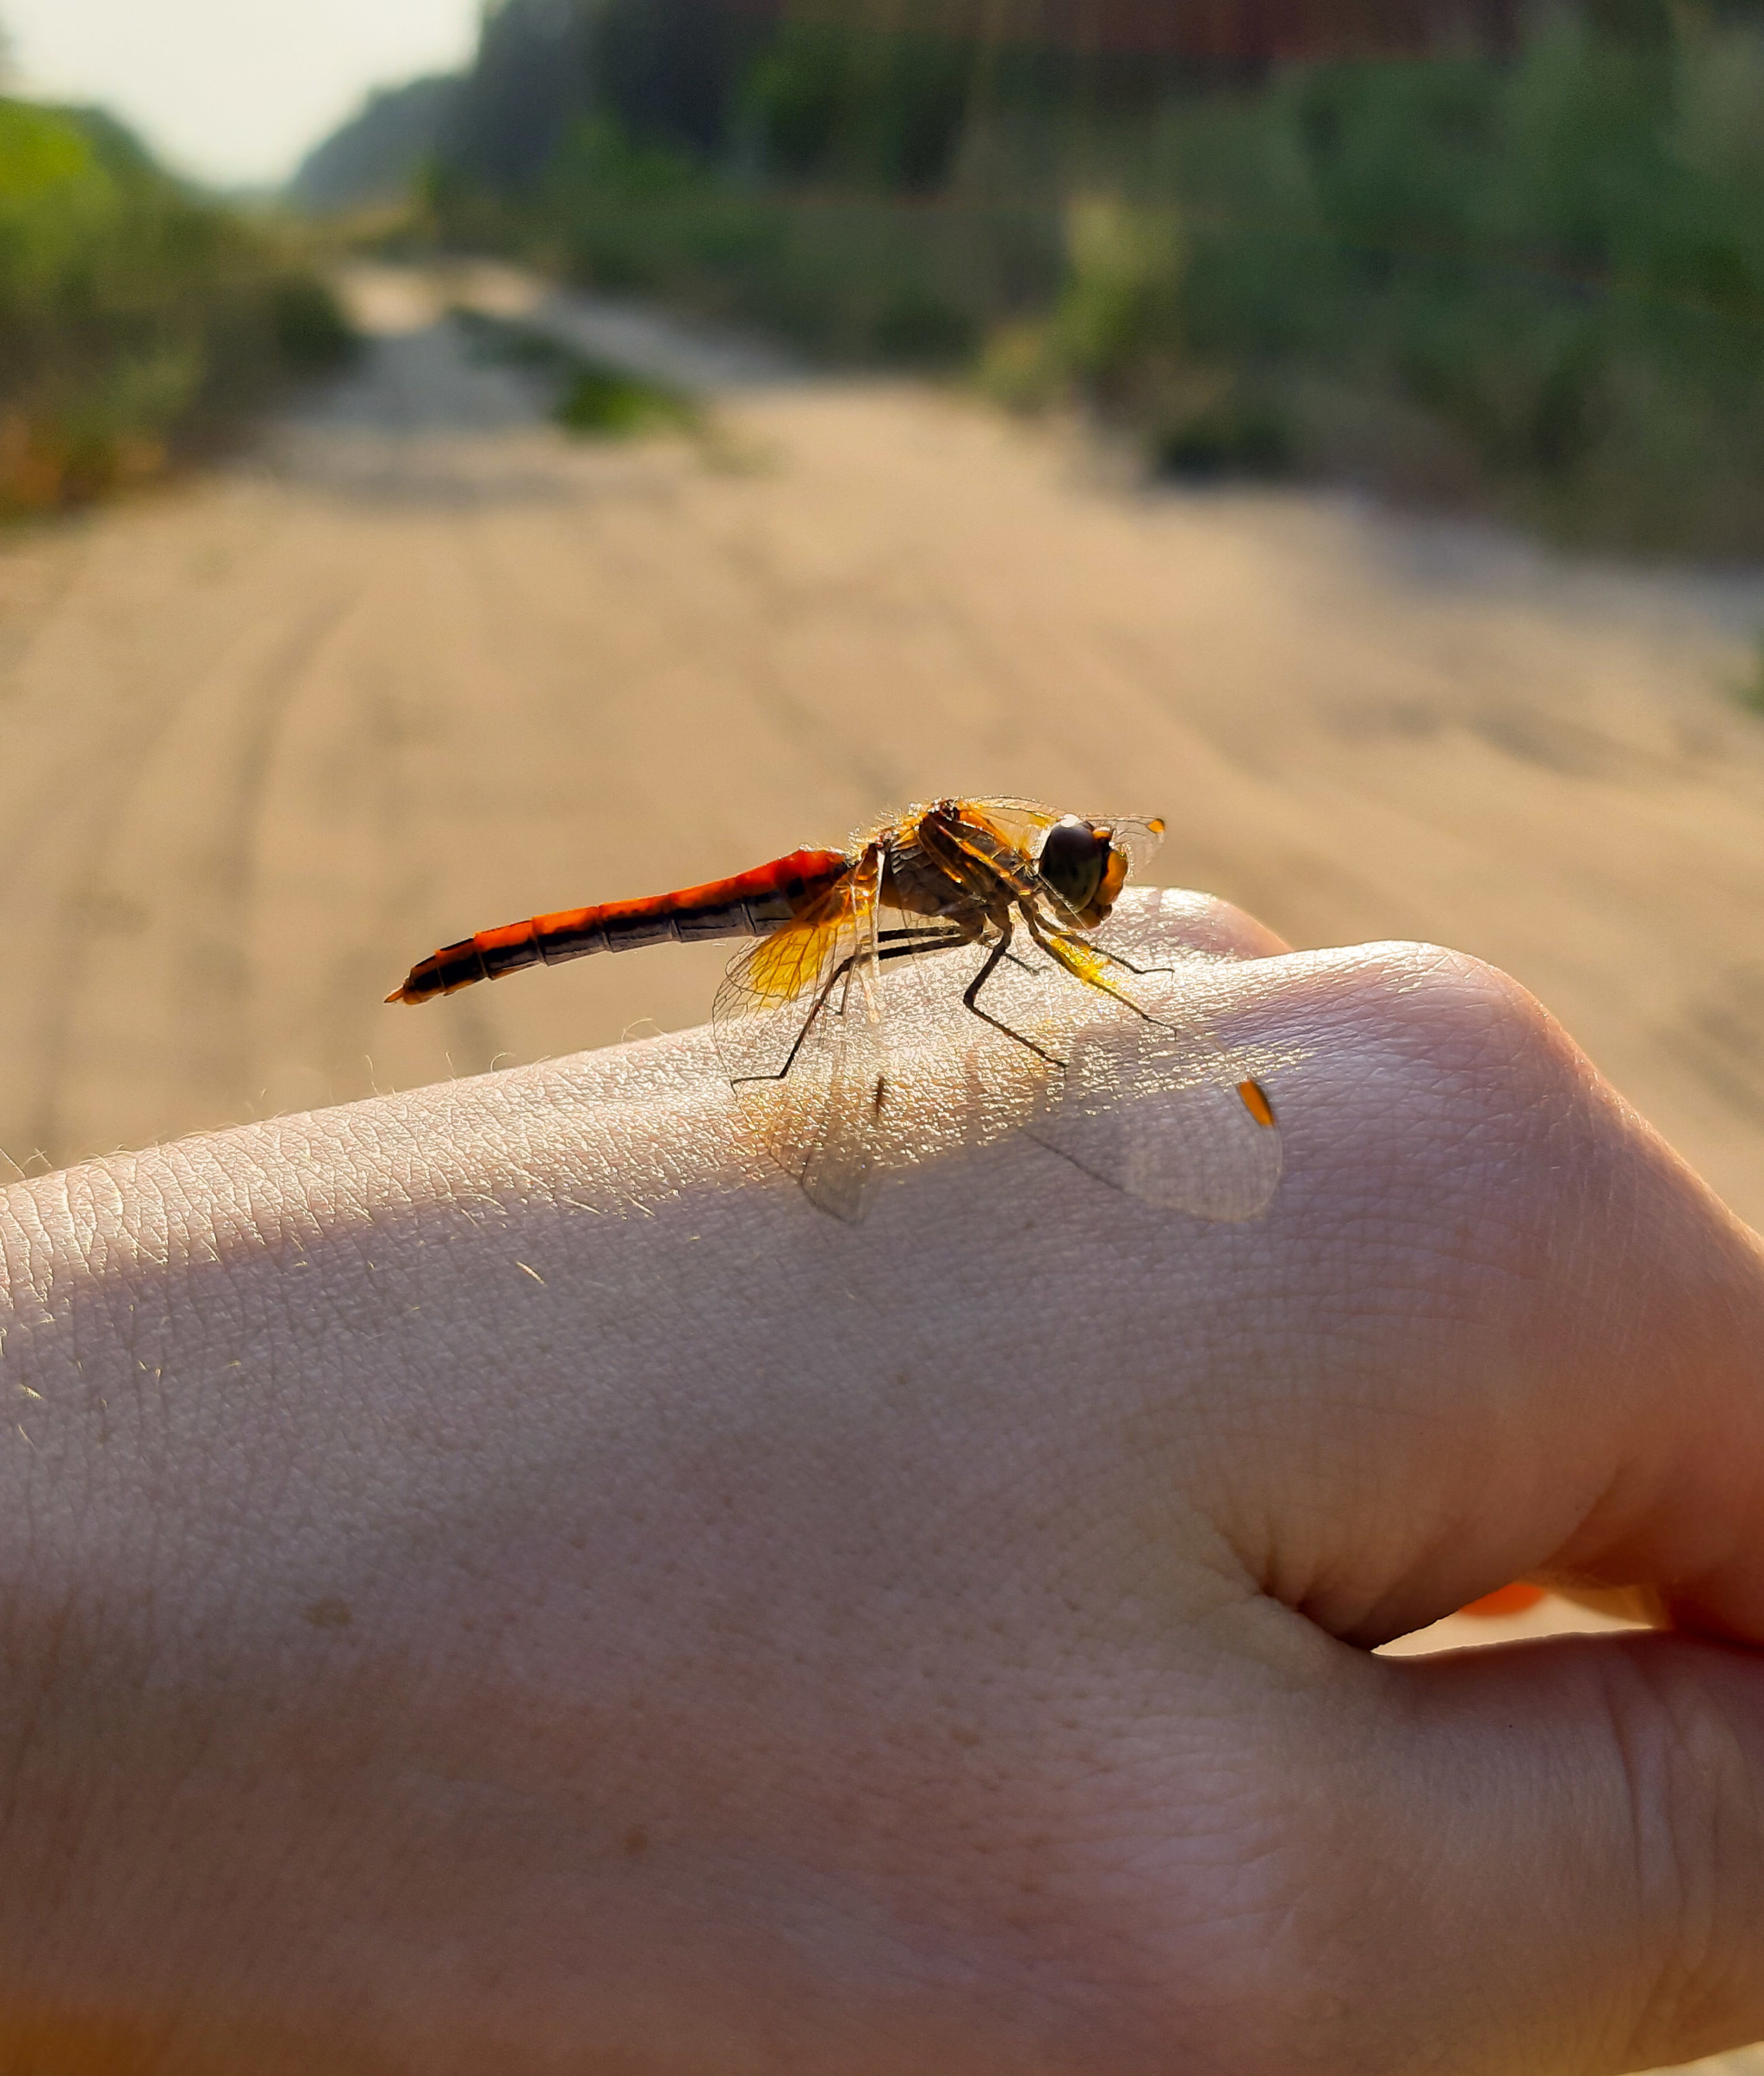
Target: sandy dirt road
(420, 665)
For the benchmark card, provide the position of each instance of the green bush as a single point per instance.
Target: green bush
(589, 397)
(848, 276)
(882, 113)
(1557, 262)
(1119, 319)
(1235, 434)
(129, 309)
(602, 402)
(1533, 281)
(1555, 265)
(312, 333)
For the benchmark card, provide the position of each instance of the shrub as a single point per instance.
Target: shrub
(588, 397)
(1535, 280)
(129, 309)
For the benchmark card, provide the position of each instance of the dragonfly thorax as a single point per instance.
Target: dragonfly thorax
(928, 878)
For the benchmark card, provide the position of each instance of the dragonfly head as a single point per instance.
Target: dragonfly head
(1078, 860)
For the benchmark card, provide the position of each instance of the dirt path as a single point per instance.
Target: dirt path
(421, 667)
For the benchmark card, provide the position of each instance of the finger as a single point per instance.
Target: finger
(1173, 918)
(1533, 1335)
(1549, 1855)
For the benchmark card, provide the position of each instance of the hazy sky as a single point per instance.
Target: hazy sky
(231, 90)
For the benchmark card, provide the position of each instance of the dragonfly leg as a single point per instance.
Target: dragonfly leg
(1251, 1093)
(1012, 959)
(915, 941)
(1103, 986)
(1115, 958)
(838, 973)
(896, 944)
(1001, 951)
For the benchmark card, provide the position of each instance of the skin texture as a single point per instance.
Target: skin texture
(493, 1579)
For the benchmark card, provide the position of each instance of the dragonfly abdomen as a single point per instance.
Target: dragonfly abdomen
(750, 904)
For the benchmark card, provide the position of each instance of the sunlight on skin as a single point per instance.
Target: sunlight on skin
(498, 1578)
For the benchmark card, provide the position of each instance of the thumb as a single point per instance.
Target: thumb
(1564, 1856)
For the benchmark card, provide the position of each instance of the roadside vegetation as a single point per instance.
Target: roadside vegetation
(1536, 282)
(588, 397)
(1749, 689)
(136, 317)
(1527, 277)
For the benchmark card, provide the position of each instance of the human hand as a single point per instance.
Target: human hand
(495, 1580)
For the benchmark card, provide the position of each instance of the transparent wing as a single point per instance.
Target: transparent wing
(1138, 836)
(1149, 1099)
(1020, 824)
(1019, 821)
(800, 1030)
(1024, 821)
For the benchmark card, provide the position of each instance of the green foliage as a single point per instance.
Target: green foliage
(602, 402)
(313, 336)
(128, 308)
(1231, 432)
(1749, 691)
(601, 159)
(880, 112)
(1532, 280)
(1552, 268)
(848, 278)
(590, 397)
(797, 97)
(1118, 320)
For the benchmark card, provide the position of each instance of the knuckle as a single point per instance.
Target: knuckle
(1460, 1001)
(1185, 919)
(1476, 1034)
(1436, 1084)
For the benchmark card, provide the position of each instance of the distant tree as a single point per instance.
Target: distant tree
(667, 69)
(376, 155)
(529, 83)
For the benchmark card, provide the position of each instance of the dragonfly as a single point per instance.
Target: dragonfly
(857, 956)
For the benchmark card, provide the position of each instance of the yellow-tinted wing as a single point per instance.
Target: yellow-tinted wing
(799, 1028)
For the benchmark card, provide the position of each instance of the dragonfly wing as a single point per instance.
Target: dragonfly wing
(1138, 837)
(1195, 1147)
(831, 1147)
(1152, 1102)
(1021, 825)
(800, 1031)
(1023, 822)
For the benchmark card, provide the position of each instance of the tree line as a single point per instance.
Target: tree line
(1502, 256)
(135, 315)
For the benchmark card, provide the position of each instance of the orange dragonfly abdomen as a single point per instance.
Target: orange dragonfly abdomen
(750, 904)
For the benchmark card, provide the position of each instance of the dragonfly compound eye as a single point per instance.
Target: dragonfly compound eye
(1074, 857)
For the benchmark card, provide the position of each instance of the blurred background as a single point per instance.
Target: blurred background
(457, 464)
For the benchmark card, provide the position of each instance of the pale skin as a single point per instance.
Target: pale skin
(493, 1579)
